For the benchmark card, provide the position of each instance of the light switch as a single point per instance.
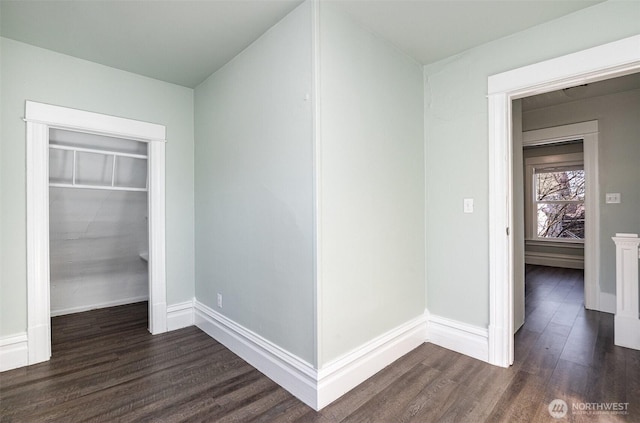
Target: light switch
(467, 205)
(612, 198)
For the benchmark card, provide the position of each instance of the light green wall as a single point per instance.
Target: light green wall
(370, 172)
(255, 183)
(254, 187)
(31, 73)
(618, 163)
(456, 122)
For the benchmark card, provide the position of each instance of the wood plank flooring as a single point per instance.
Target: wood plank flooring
(106, 367)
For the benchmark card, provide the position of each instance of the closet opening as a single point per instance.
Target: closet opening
(98, 223)
(112, 171)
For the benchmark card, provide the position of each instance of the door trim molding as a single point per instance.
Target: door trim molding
(588, 133)
(39, 118)
(595, 64)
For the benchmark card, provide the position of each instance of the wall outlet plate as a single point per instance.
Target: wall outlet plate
(612, 198)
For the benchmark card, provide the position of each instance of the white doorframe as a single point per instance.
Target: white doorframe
(588, 133)
(595, 64)
(39, 118)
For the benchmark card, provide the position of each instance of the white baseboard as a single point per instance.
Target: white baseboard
(180, 315)
(457, 336)
(14, 352)
(316, 388)
(89, 307)
(608, 303)
(290, 372)
(554, 260)
(627, 332)
(340, 376)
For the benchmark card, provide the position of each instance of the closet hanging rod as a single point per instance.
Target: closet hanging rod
(91, 150)
(100, 187)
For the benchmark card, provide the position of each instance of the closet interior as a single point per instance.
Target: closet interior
(98, 221)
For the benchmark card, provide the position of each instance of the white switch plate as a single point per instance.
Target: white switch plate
(219, 300)
(467, 205)
(612, 198)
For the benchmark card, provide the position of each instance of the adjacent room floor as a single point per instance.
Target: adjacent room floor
(107, 367)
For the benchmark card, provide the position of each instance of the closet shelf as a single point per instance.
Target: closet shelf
(112, 186)
(96, 151)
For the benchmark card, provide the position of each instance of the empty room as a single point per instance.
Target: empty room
(319, 211)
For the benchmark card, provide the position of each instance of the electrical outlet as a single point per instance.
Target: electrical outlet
(219, 300)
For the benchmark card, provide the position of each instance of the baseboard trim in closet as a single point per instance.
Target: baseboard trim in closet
(114, 303)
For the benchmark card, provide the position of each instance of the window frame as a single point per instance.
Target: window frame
(533, 164)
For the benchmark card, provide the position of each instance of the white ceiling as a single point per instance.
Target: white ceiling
(179, 41)
(430, 30)
(184, 41)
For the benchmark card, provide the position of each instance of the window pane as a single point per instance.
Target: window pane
(561, 220)
(560, 186)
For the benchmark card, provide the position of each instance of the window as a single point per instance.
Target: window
(559, 203)
(555, 194)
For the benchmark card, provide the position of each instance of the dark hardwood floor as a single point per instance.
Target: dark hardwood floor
(107, 367)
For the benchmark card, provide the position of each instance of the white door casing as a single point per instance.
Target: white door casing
(595, 64)
(39, 118)
(588, 133)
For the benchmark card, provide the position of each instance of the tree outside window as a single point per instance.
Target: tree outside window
(559, 198)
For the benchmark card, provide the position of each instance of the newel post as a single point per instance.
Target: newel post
(627, 319)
